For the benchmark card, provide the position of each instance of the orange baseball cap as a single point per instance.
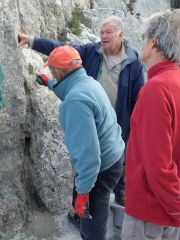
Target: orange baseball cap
(62, 58)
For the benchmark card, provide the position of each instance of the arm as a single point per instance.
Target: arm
(46, 46)
(81, 138)
(41, 45)
(155, 130)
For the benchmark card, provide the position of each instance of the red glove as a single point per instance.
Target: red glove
(42, 79)
(82, 204)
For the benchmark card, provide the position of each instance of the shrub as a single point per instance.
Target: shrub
(74, 23)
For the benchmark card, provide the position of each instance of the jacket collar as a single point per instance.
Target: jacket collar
(63, 87)
(161, 67)
(131, 54)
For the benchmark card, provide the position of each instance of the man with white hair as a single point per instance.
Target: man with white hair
(115, 65)
(152, 208)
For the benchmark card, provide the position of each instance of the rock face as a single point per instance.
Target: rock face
(35, 170)
(34, 163)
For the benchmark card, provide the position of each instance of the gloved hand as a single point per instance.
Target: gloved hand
(42, 79)
(81, 205)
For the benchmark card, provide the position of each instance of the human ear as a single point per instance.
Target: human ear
(154, 42)
(121, 34)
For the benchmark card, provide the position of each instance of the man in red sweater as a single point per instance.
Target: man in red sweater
(152, 208)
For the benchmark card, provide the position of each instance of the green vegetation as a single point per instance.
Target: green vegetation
(74, 23)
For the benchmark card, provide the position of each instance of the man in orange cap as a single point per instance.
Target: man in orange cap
(114, 64)
(92, 136)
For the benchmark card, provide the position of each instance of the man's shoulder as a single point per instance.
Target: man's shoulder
(130, 51)
(92, 46)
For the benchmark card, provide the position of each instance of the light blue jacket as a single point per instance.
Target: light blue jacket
(91, 132)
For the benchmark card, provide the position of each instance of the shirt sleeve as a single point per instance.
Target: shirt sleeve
(46, 46)
(81, 139)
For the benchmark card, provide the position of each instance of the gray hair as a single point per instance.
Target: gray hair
(165, 27)
(116, 21)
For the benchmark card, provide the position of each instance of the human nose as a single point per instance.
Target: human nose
(104, 35)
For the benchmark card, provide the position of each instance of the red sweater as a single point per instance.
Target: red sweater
(153, 152)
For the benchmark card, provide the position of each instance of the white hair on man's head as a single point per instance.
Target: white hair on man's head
(165, 26)
(116, 21)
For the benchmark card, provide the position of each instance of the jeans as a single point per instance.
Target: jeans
(99, 204)
(119, 189)
(134, 229)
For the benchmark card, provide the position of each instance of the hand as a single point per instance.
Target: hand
(42, 79)
(81, 205)
(23, 39)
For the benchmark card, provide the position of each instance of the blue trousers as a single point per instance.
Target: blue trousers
(99, 204)
(119, 189)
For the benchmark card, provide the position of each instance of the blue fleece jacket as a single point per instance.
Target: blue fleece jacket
(91, 132)
(131, 77)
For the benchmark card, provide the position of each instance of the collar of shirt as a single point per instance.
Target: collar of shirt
(112, 61)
